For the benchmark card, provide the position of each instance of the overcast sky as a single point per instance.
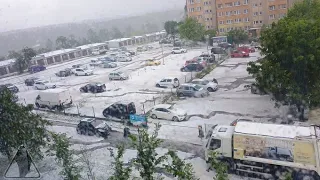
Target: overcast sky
(18, 14)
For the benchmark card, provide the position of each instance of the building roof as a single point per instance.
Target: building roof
(57, 52)
(119, 40)
(7, 62)
(88, 46)
(274, 130)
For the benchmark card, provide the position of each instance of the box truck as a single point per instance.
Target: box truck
(54, 99)
(266, 150)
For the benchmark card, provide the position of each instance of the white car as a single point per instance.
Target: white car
(124, 59)
(83, 72)
(168, 82)
(42, 85)
(210, 86)
(168, 112)
(178, 50)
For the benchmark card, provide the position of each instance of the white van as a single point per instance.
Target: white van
(54, 99)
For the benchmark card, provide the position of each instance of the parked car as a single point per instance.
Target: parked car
(234, 123)
(132, 53)
(108, 65)
(164, 41)
(95, 62)
(77, 66)
(192, 67)
(30, 81)
(168, 112)
(93, 88)
(141, 49)
(108, 59)
(64, 73)
(83, 72)
(42, 85)
(236, 54)
(90, 126)
(11, 87)
(118, 76)
(168, 82)
(210, 86)
(149, 47)
(152, 62)
(36, 68)
(123, 58)
(192, 90)
(178, 50)
(121, 110)
(225, 45)
(217, 50)
(208, 57)
(247, 49)
(54, 99)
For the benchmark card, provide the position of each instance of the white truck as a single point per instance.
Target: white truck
(266, 150)
(54, 99)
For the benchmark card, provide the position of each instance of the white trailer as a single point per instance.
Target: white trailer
(54, 99)
(267, 150)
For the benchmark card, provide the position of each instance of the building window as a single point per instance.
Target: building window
(246, 19)
(228, 13)
(272, 16)
(236, 12)
(221, 30)
(208, 27)
(254, 5)
(260, 22)
(229, 22)
(236, 3)
(260, 12)
(237, 20)
(220, 22)
(210, 10)
(211, 19)
(197, 1)
(255, 14)
(198, 8)
(245, 2)
(191, 1)
(191, 10)
(220, 14)
(245, 11)
(228, 4)
(272, 7)
(200, 16)
(282, 6)
(220, 6)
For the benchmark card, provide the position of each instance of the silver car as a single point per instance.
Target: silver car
(108, 65)
(192, 90)
(118, 76)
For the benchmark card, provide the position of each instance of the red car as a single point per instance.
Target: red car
(246, 49)
(239, 54)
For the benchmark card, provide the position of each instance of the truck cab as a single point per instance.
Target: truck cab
(220, 141)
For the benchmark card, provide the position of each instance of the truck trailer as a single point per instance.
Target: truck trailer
(267, 151)
(54, 99)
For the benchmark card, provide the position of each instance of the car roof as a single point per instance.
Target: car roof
(199, 80)
(166, 106)
(188, 84)
(87, 120)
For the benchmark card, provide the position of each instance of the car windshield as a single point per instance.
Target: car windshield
(197, 87)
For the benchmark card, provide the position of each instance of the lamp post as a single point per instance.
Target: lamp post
(207, 39)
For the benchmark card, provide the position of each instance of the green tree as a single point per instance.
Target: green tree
(13, 54)
(73, 41)
(179, 168)
(61, 148)
(237, 36)
(120, 171)
(93, 36)
(171, 27)
(129, 31)
(104, 34)
(220, 167)
(191, 29)
(19, 126)
(42, 50)
(290, 68)
(23, 58)
(116, 33)
(62, 43)
(49, 44)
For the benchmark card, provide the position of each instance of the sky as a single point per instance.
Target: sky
(20, 14)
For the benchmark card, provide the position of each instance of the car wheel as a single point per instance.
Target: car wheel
(86, 74)
(37, 105)
(46, 87)
(153, 116)
(180, 94)
(121, 79)
(175, 118)
(76, 74)
(54, 86)
(232, 56)
(210, 89)
(157, 85)
(78, 131)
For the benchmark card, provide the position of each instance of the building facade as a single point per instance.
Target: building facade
(249, 15)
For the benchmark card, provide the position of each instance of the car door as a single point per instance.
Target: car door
(169, 83)
(41, 85)
(116, 76)
(166, 114)
(163, 82)
(159, 113)
(186, 91)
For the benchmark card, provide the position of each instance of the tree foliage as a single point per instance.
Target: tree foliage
(179, 168)
(171, 27)
(220, 167)
(22, 58)
(49, 45)
(19, 126)
(116, 33)
(93, 36)
(291, 67)
(211, 33)
(120, 171)
(61, 148)
(62, 43)
(237, 36)
(104, 34)
(191, 29)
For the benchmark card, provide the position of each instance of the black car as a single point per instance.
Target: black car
(11, 87)
(120, 110)
(91, 127)
(217, 50)
(30, 81)
(93, 88)
(64, 73)
(192, 67)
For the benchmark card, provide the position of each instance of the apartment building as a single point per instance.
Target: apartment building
(226, 15)
(203, 11)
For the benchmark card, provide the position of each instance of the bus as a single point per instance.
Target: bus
(219, 39)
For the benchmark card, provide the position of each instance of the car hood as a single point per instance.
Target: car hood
(102, 126)
(179, 111)
(212, 84)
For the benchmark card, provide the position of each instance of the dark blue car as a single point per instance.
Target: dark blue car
(36, 68)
